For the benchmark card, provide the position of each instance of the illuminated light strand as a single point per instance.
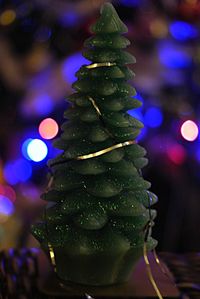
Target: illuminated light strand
(149, 272)
(50, 247)
(50, 183)
(100, 116)
(100, 64)
(106, 150)
(94, 105)
(52, 256)
(156, 258)
(88, 296)
(160, 265)
(96, 154)
(148, 266)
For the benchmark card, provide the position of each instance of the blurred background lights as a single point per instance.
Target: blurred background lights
(9, 174)
(159, 28)
(37, 150)
(182, 31)
(130, 3)
(30, 191)
(174, 57)
(7, 17)
(17, 171)
(43, 104)
(189, 130)
(176, 153)
(153, 117)
(48, 128)
(6, 206)
(22, 170)
(71, 65)
(24, 148)
(69, 18)
(8, 191)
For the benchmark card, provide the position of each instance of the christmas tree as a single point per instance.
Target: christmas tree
(98, 202)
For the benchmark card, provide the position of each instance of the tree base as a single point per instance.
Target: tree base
(100, 269)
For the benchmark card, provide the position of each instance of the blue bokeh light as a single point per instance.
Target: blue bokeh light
(174, 57)
(6, 206)
(131, 3)
(9, 174)
(24, 148)
(183, 31)
(153, 117)
(22, 170)
(37, 150)
(17, 171)
(71, 65)
(69, 18)
(43, 104)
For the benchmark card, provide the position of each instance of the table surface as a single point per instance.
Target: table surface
(139, 285)
(28, 273)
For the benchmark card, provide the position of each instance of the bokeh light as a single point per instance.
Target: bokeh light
(24, 148)
(37, 150)
(8, 191)
(17, 171)
(71, 65)
(182, 31)
(189, 130)
(130, 3)
(153, 117)
(69, 18)
(176, 153)
(173, 56)
(158, 28)
(9, 174)
(48, 128)
(43, 104)
(22, 170)
(7, 17)
(6, 206)
(30, 191)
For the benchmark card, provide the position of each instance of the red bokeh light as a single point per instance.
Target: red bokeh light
(48, 128)
(176, 153)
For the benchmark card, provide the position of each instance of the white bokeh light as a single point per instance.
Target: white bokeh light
(37, 150)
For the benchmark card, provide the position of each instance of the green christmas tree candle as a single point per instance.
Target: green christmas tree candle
(98, 202)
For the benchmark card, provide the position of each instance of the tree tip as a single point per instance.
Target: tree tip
(109, 21)
(107, 6)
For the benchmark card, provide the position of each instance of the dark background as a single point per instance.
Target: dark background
(40, 50)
